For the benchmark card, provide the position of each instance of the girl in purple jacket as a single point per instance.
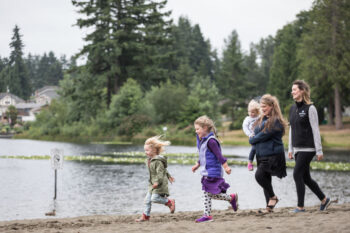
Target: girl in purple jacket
(211, 164)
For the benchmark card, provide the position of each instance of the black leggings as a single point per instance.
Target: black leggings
(264, 179)
(302, 177)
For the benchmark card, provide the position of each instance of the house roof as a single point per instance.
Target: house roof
(18, 100)
(50, 91)
(28, 105)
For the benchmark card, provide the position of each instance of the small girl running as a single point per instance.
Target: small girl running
(158, 177)
(248, 129)
(210, 163)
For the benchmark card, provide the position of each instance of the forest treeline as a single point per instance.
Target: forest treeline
(144, 71)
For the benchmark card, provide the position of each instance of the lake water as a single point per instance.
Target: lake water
(89, 188)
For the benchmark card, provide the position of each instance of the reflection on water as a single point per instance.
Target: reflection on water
(27, 189)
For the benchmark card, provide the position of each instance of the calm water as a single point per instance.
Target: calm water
(86, 188)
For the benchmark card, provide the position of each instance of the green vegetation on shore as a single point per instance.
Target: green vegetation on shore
(331, 138)
(173, 158)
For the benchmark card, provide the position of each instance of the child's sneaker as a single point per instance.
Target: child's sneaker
(204, 219)
(143, 218)
(250, 166)
(234, 201)
(171, 205)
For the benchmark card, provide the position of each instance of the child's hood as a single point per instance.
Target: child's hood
(161, 158)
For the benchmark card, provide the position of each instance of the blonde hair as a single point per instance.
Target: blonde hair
(157, 144)
(253, 105)
(205, 121)
(303, 86)
(276, 114)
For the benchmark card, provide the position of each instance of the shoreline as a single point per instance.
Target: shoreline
(334, 219)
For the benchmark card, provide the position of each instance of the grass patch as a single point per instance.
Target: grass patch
(331, 138)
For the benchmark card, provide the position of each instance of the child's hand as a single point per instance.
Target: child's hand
(227, 168)
(290, 155)
(171, 179)
(195, 167)
(250, 166)
(155, 185)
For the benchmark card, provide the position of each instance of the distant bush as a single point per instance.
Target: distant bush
(203, 100)
(132, 125)
(167, 101)
(126, 103)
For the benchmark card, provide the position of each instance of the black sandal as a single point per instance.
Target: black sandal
(269, 208)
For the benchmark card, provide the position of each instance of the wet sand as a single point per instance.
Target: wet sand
(335, 219)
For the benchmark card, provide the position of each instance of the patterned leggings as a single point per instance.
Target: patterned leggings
(207, 200)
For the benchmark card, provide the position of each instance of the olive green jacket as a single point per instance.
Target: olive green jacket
(158, 174)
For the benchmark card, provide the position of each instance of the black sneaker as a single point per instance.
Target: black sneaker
(326, 204)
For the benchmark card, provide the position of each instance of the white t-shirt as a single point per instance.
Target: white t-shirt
(248, 125)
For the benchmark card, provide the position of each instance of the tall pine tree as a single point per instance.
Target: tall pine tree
(265, 50)
(231, 80)
(125, 40)
(17, 74)
(284, 66)
(3, 65)
(325, 53)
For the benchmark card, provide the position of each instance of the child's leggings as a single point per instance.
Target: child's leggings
(207, 200)
(155, 198)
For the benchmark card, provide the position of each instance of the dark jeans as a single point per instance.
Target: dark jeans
(302, 177)
(264, 179)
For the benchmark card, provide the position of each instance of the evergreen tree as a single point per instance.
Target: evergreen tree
(184, 74)
(82, 93)
(202, 100)
(231, 80)
(191, 49)
(125, 40)
(284, 67)
(325, 52)
(64, 62)
(3, 70)
(49, 71)
(32, 63)
(17, 79)
(254, 79)
(265, 50)
(55, 72)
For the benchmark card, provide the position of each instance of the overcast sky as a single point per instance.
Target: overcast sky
(48, 25)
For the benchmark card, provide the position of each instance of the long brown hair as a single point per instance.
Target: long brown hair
(276, 114)
(303, 86)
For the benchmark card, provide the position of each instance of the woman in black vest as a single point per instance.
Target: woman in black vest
(269, 129)
(304, 143)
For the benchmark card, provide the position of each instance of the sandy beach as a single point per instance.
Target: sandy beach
(335, 219)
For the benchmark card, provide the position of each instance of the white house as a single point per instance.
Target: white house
(7, 99)
(27, 110)
(46, 94)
